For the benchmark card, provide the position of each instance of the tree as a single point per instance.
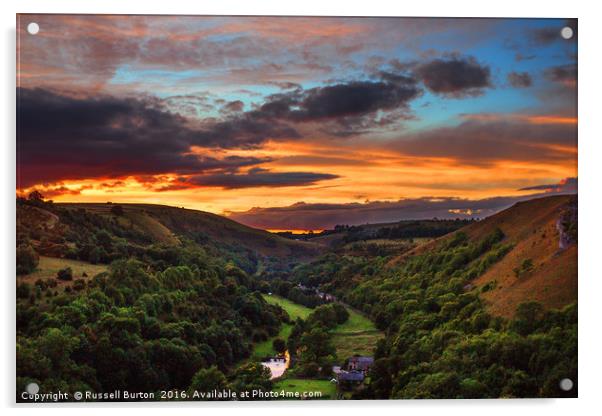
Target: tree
(35, 196)
(27, 259)
(341, 313)
(104, 239)
(279, 345)
(95, 255)
(316, 344)
(252, 376)
(23, 290)
(65, 274)
(208, 379)
(527, 317)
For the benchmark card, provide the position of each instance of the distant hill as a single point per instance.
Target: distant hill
(400, 230)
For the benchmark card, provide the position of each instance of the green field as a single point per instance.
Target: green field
(293, 309)
(356, 323)
(49, 266)
(356, 336)
(264, 349)
(348, 345)
(328, 390)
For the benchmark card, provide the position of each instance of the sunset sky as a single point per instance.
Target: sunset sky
(296, 122)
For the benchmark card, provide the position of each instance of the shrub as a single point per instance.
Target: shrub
(27, 259)
(525, 267)
(65, 274)
(279, 345)
(41, 284)
(23, 290)
(259, 335)
(79, 284)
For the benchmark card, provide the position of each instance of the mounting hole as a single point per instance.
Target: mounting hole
(566, 33)
(566, 384)
(33, 28)
(32, 388)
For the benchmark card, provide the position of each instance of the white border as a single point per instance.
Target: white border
(590, 211)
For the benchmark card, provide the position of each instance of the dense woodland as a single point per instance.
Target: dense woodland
(160, 318)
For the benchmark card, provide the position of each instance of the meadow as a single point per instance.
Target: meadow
(49, 266)
(307, 386)
(357, 335)
(293, 309)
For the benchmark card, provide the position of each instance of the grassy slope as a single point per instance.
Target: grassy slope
(165, 222)
(293, 309)
(531, 226)
(49, 266)
(356, 336)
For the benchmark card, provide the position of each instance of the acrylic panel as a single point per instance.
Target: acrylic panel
(293, 208)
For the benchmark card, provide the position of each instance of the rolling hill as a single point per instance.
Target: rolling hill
(166, 224)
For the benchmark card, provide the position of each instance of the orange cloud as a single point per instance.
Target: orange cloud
(532, 119)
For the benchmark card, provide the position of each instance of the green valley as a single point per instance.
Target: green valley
(443, 316)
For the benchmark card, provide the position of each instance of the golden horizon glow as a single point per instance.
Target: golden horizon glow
(293, 231)
(385, 176)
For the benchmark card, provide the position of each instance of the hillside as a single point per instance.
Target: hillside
(165, 224)
(489, 310)
(532, 229)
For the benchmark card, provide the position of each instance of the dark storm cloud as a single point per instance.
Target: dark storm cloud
(520, 79)
(455, 76)
(70, 137)
(342, 109)
(258, 177)
(338, 101)
(325, 216)
(62, 137)
(355, 98)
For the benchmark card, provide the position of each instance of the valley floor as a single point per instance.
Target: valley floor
(357, 336)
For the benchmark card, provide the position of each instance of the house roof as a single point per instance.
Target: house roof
(362, 359)
(351, 376)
